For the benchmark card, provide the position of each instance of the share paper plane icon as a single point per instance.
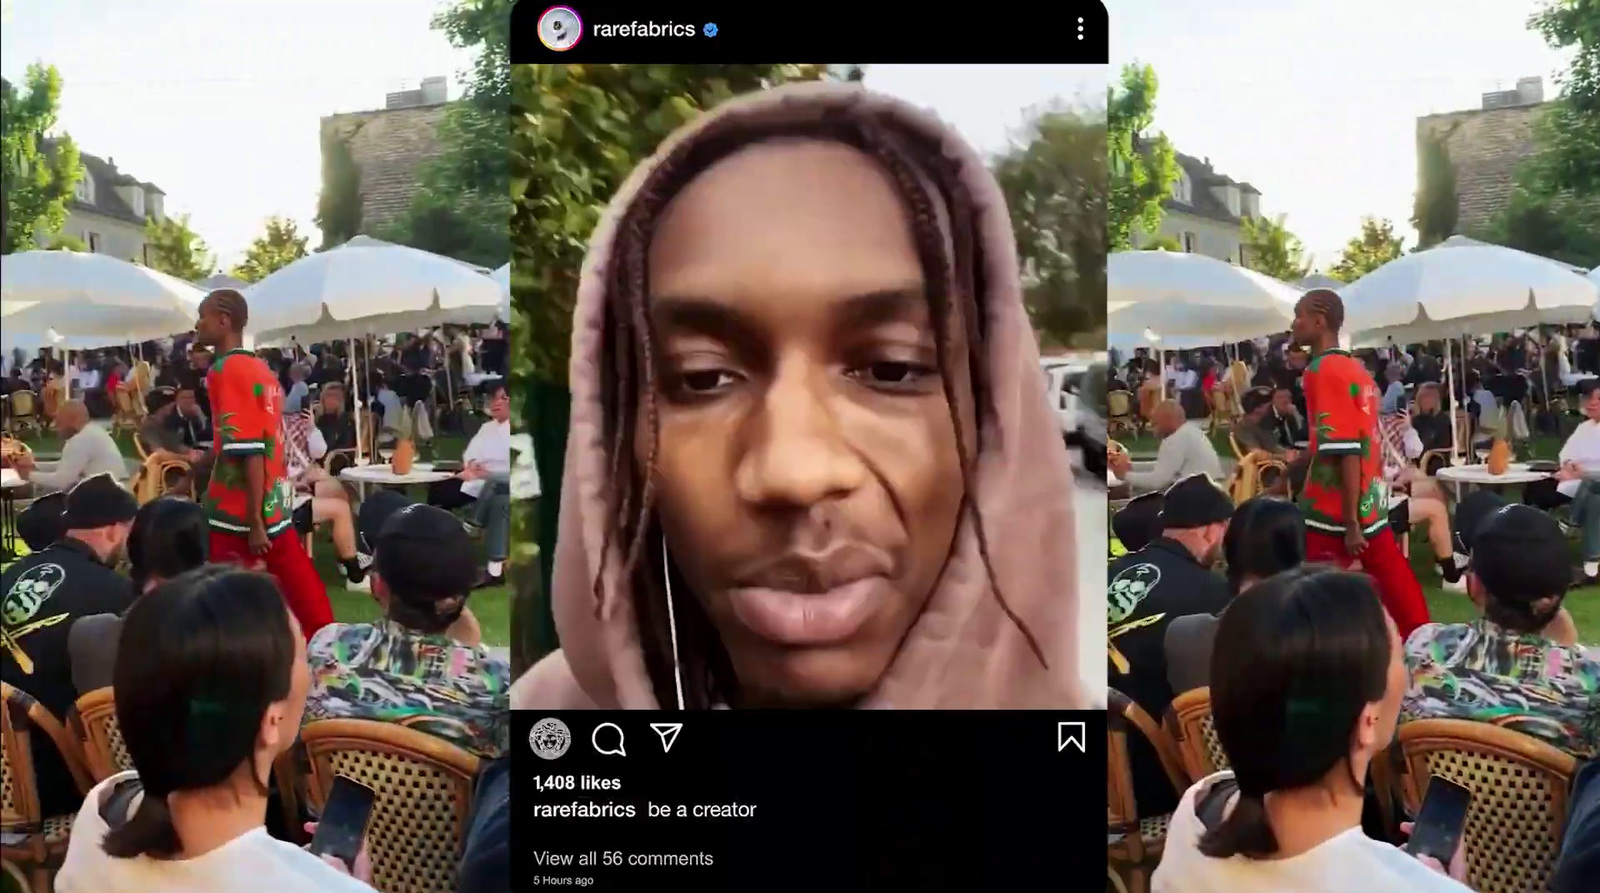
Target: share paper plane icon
(668, 732)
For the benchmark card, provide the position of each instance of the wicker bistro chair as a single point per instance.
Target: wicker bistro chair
(32, 844)
(23, 413)
(1519, 796)
(104, 751)
(1189, 722)
(424, 787)
(126, 411)
(1122, 415)
(1134, 845)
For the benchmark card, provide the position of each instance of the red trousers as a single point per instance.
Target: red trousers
(289, 564)
(1386, 565)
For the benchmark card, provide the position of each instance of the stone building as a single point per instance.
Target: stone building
(1205, 213)
(1486, 145)
(390, 145)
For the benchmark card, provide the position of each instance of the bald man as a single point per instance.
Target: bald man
(1184, 451)
(86, 450)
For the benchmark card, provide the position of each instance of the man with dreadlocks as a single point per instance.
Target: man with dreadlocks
(1345, 499)
(811, 460)
(246, 501)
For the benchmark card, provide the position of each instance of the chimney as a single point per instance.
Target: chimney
(435, 90)
(111, 163)
(1530, 90)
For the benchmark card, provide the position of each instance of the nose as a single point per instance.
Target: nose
(796, 454)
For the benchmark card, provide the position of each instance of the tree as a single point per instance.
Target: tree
(1142, 165)
(278, 247)
(577, 132)
(339, 204)
(65, 242)
(173, 248)
(461, 206)
(1376, 246)
(1569, 134)
(1161, 243)
(1268, 247)
(1437, 207)
(1568, 231)
(1053, 178)
(40, 172)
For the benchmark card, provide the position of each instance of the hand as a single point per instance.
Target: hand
(24, 463)
(260, 543)
(1355, 541)
(1290, 456)
(361, 870)
(196, 455)
(1119, 463)
(1457, 869)
(472, 471)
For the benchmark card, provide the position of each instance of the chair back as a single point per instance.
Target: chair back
(1119, 403)
(104, 751)
(1126, 834)
(20, 716)
(154, 475)
(22, 405)
(424, 787)
(51, 396)
(1519, 790)
(1195, 734)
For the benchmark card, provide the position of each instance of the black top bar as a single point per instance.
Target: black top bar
(717, 31)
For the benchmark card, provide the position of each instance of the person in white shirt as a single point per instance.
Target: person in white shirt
(1306, 682)
(86, 450)
(1394, 395)
(1577, 482)
(484, 483)
(1184, 451)
(295, 400)
(213, 694)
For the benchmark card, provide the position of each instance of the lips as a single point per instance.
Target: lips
(810, 618)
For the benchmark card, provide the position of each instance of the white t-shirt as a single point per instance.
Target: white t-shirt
(491, 446)
(253, 862)
(1348, 861)
(1582, 448)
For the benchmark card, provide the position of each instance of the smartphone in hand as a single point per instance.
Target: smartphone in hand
(1441, 821)
(343, 825)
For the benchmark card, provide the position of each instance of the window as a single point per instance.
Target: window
(94, 242)
(1189, 240)
(137, 202)
(85, 189)
(1183, 188)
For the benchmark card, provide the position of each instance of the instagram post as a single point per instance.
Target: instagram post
(809, 351)
(1351, 294)
(256, 471)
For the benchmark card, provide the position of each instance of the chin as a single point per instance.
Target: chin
(811, 677)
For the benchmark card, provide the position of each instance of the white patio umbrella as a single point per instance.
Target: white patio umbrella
(1317, 280)
(222, 280)
(1190, 300)
(352, 292)
(1594, 275)
(91, 296)
(1465, 242)
(1466, 290)
(370, 242)
(503, 277)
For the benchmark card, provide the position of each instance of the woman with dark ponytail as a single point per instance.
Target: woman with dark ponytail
(1306, 681)
(210, 683)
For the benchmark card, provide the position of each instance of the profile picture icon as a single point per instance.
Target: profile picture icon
(560, 28)
(550, 738)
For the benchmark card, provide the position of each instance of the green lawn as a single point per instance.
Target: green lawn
(491, 606)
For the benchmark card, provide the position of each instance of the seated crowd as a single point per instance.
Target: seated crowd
(1309, 680)
(222, 679)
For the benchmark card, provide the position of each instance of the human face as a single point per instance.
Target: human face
(1427, 400)
(500, 405)
(810, 484)
(1376, 726)
(1591, 405)
(212, 324)
(280, 725)
(186, 402)
(1281, 401)
(1307, 323)
(332, 400)
(200, 360)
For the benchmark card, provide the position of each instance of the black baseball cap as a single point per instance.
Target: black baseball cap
(98, 501)
(1195, 501)
(1520, 555)
(421, 551)
(1471, 512)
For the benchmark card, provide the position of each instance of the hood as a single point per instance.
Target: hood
(963, 651)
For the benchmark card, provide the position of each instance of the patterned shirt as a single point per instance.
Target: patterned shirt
(1342, 402)
(1484, 672)
(389, 673)
(248, 421)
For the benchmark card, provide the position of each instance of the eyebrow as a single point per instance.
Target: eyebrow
(718, 320)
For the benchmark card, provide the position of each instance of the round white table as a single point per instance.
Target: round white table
(383, 475)
(1515, 473)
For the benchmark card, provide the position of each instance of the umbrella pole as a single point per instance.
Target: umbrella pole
(1450, 390)
(1162, 371)
(355, 388)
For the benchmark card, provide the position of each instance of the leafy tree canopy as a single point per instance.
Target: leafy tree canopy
(279, 246)
(40, 172)
(1142, 165)
(1375, 246)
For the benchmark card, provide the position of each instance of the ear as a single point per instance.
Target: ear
(1366, 732)
(272, 731)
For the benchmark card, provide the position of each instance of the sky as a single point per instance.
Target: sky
(1315, 103)
(987, 103)
(220, 103)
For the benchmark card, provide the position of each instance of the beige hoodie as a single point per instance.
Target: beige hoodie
(963, 652)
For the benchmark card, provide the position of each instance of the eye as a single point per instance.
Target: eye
(706, 381)
(892, 374)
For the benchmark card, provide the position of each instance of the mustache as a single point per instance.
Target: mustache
(818, 571)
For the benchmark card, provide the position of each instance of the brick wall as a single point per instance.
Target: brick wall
(389, 146)
(1486, 147)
